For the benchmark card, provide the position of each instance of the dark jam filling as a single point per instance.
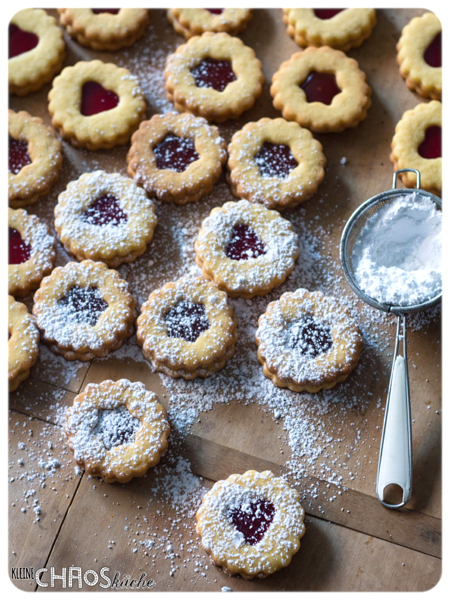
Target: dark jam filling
(18, 156)
(215, 11)
(105, 210)
(320, 87)
(116, 427)
(186, 320)
(19, 249)
(433, 54)
(84, 304)
(244, 244)
(212, 73)
(275, 160)
(175, 153)
(21, 41)
(431, 147)
(253, 519)
(96, 99)
(327, 13)
(112, 11)
(310, 336)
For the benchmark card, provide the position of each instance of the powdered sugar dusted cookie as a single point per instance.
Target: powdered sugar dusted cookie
(23, 343)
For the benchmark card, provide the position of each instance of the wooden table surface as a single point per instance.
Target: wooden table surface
(60, 518)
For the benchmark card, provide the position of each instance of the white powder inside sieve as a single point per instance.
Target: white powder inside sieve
(397, 256)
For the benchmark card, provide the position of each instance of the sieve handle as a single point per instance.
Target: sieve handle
(394, 178)
(395, 460)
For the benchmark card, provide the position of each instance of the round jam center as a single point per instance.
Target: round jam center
(19, 249)
(310, 336)
(215, 11)
(175, 153)
(186, 320)
(244, 244)
(96, 99)
(431, 147)
(320, 87)
(212, 73)
(253, 519)
(327, 13)
(433, 54)
(84, 304)
(112, 11)
(116, 427)
(105, 210)
(18, 156)
(275, 160)
(21, 41)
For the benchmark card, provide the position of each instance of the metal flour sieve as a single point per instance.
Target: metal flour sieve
(395, 457)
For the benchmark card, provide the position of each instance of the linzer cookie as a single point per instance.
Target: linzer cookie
(420, 56)
(322, 89)
(177, 158)
(417, 144)
(251, 524)
(117, 430)
(214, 76)
(307, 341)
(195, 21)
(105, 216)
(275, 162)
(246, 249)
(23, 343)
(105, 28)
(187, 329)
(36, 50)
(96, 105)
(34, 158)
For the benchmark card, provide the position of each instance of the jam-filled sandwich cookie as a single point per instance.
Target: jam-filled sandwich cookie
(84, 310)
(251, 524)
(339, 28)
(96, 105)
(417, 145)
(23, 343)
(36, 50)
(420, 56)
(177, 158)
(117, 430)
(34, 158)
(187, 329)
(246, 249)
(31, 252)
(275, 162)
(322, 89)
(105, 28)
(307, 341)
(105, 216)
(195, 21)
(214, 76)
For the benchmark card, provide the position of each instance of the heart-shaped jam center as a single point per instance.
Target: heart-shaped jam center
(18, 156)
(433, 54)
(244, 244)
(21, 41)
(105, 210)
(83, 304)
(112, 11)
(116, 427)
(327, 13)
(431, 147)
(19, 249)
(186, 320)
(253, 519)
(215, 11)
(96, 99)
(275, 160)
(320, 87)
(175, 153)
(310, 336)
(212, 73)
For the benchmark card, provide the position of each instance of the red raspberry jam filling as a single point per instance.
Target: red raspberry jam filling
(84, 304)
(212, 73)
(186, 320)
(21, 41)
(327, 13)
(175, 153)
(19, 249)
(275, 160)
(105, 210)
(431, 147)
(116, 427)
(215, 11)
(310, 336)
(253, 519)
(113, 11)
(433, 54)
(320, 87)
(96, 99)
(18, 156)
(244, 244)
